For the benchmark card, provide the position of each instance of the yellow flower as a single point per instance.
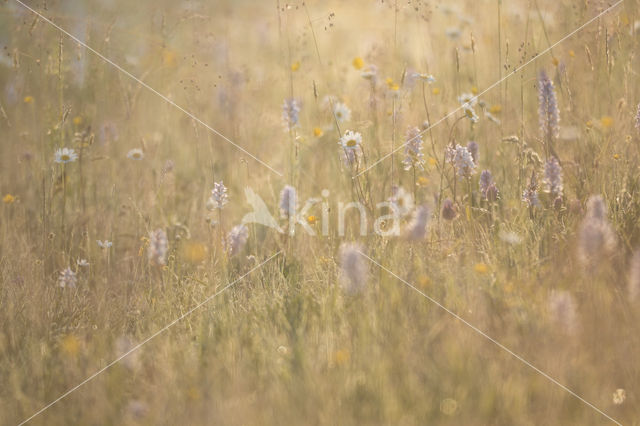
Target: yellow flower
(77, 120)
(555, 61)
(481, 268)
(424, 281)
(28, 99)
(435, 91)
(391, 84)
(616, 156)
(589, 124)
(342, 356)
(572, 53)
(495, 109)
(432, 161)
(8, 199)
(357, 63)
(317, 132)
(70, 345)
(312, 219)
(422, 181)
(474, 90)
(606, 121)
(194, 252)
(193, 393)
(295, 66)
(169, 57)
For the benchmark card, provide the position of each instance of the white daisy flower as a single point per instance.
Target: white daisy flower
(65, 155)
(82, 262)
(135, 154)
(351, 140)
(468, 100)
(370, 72)
(104, 244)
(401, 200)
(341, 112)
(427, 78)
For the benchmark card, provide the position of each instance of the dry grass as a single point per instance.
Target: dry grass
(287, 344)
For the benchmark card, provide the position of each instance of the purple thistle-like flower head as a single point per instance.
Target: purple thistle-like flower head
(158, 247)
(449, 210)
(596, 236)
(219, 196)
(530, 194)
(462, 161)
(473, 148)
(288, 201)
(237, 238)
(553, 177)
(417, 228)
(413, 150)
(486, 179)
(488, 188)
(353, 268)
(67, 278)
(290, 113)
(548, 114)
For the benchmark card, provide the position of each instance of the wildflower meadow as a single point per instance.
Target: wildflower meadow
(363, 212)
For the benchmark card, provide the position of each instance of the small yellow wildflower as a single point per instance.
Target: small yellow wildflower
(342, 356)
(474, 90)
(311, 219)
(8, 199)
(616, 156)
(169, 57)
(481, 268)
(495, 109)
(70, 345)
(28, 99)
(555, 61)
(572, 53)
(295, 66)
(357, 63)
(589, 124)
(606, 121)
(424, 281)
(193, 393)
(435, 91)
(317, 132)
(77, 120)
(432, 161)
(422, 181)
(194, 252)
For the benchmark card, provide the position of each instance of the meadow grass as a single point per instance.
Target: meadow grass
(320, 91)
